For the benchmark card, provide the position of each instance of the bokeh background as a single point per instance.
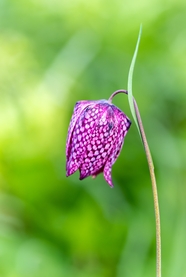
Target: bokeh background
(52, 54)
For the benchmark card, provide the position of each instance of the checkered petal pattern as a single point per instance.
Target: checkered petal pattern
(95, 138)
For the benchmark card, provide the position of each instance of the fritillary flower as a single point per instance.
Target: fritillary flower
(95, 138)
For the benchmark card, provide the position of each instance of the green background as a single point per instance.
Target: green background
(52, 54)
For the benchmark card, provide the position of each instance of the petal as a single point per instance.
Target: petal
(107, 173)
(76, 150)
(121, 120)
(88, 167)
(79, 107)
(73, 163)
(83, 174)
(71, 168)
(85, 169)
(108, 168)
(122, 123)
(111, 160)
(91, 169)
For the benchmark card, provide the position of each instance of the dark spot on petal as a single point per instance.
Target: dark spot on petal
(110, 125)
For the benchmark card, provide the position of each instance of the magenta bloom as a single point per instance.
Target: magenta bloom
(95, 138)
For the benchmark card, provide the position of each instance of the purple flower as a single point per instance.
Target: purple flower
(95, 138)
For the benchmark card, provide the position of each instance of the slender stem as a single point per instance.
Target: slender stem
(154, 190)
(153, 181)
(116, 92)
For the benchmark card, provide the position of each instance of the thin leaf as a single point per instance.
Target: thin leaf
(131, 70)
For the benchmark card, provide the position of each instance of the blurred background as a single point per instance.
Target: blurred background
(52, 54)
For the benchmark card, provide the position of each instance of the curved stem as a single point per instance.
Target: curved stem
(116, 92)
(153, 181)
(154, 189)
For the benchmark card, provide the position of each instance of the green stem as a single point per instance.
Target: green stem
(154, 190)
(153, 181)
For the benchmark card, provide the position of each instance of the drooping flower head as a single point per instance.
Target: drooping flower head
(95, 138)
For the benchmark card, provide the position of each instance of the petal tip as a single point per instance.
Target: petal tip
(71, 170)
(107, 175)
(82, 175)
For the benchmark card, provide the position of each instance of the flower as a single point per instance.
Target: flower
(95, 138)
